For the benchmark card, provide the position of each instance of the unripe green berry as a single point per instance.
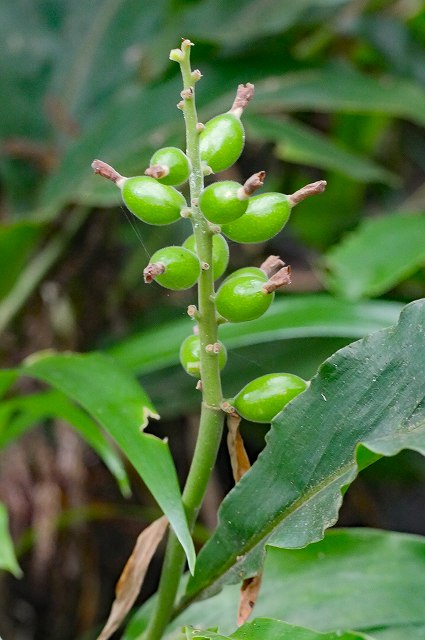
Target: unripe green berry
(222, 202)
(265, 216)
(222, 141)
(190, 351)
(174, 268)
(241, 296)
(152, 202)
(220, 253)
(263, 398)
(175, 164)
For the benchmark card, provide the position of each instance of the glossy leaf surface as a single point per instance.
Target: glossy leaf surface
(377, 255)
(111, 396)
(269, 629)
(361, 579)
(367, 400)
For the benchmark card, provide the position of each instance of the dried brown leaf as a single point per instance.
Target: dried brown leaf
(238, 455)
(131, 579)
(249, 593)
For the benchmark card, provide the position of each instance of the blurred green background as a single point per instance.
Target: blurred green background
(340, 95)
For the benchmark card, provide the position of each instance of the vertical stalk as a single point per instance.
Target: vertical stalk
(211, 420)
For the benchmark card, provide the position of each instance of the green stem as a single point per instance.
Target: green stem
(211, 421)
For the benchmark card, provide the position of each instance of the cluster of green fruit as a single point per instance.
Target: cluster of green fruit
(230, 210)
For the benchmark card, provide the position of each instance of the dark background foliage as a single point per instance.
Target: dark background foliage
(339, 95)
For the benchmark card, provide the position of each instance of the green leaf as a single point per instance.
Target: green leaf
(16, 242)
(111, 396)
(379, 254)
(289, 317)
(301, 144)
(360, 579)
(8, 561)
(21, 413)
(366, 401)
(269, 629)
(216, 19)
(340, 88)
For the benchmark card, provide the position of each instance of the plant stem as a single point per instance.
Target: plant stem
(211, 421)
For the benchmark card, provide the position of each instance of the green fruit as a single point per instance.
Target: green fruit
(222, 141)
(181, 268)
(220, 253)
(263, 398)
(265, 216)
(220, 202)
(190, 356)
(152, 202)
(175, 161)
(241, 298)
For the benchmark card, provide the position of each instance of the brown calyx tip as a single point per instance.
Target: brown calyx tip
(157, 171)
(244, 94)
(152, 271)
(308, 190)
(253, 183)
(279, 279)
(271, 265)
(106, 171)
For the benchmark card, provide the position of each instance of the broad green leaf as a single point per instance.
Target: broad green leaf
(8, 561)
(341, 88)
(301, 144)
(269, 629)
(379, 254)
(360, 579)
(366, 401)
(110, 395)
(289, 317)
(21, 413)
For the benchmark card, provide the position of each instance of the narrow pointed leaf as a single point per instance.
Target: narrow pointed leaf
(301, 144)
(340, 88)
(367, 400)
(8, 561)
(288, 317)
(21, 413)
(379, 254)
(111, 395)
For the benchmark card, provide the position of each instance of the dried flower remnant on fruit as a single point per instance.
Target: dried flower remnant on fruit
(280, 279)
(244, 94)
(106, 171)
(308, 190)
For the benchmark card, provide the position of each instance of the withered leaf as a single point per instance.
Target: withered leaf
(131, 579)
(249, 593)
(238, 456)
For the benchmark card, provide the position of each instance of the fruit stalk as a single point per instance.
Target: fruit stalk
(212, 417)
